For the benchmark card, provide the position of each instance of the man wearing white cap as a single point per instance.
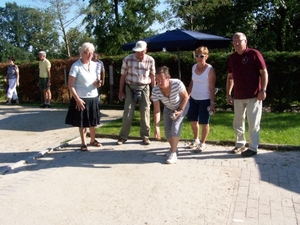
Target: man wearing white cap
(137, 73)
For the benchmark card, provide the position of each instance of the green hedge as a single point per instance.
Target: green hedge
(282, 94)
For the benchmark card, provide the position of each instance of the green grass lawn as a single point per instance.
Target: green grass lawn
(276, 128)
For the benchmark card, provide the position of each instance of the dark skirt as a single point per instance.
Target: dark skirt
(89, 117)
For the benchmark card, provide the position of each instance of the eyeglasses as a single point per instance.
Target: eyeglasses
(200, 56)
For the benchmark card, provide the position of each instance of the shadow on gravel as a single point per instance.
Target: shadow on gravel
(281, 169)
(37, 120)
(277, 168)
(34, 121)
(11, 158)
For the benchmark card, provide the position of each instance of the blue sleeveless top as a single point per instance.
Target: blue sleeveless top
(11, 72)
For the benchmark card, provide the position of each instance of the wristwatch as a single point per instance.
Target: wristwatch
(263, 90)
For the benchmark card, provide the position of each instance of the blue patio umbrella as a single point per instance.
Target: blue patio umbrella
(181, 40)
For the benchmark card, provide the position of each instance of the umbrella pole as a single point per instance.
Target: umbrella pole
(178, 58)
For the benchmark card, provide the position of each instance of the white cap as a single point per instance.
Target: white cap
(140, 46)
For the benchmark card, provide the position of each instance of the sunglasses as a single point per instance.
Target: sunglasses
(200, 56)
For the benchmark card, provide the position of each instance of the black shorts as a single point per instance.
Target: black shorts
(43, 83)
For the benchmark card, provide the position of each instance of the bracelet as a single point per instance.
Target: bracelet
(179, 109)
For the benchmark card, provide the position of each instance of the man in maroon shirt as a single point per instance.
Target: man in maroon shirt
(248, 78)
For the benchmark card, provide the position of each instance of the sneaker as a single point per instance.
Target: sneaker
(194, 144)
(248, 153)
(172, 158)
(48, 106)
(146, 141)
(237, 150)
(43, 106)
(121, 141)
(200, 148)
(167, 154)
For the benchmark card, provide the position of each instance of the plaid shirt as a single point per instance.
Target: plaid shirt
(136, 71)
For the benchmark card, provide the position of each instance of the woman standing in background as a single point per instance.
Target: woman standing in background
(12, 77)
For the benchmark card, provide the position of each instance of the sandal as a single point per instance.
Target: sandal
(83, 148)
(96, 143)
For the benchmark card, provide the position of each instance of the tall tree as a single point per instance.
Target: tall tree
(45, 37)
(269, 25)
(278, 25)
(76, 39)
(191, 14)
(115, 22)
(27, 29)
(61, 8)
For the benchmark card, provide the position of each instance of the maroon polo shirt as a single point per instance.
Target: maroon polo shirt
(245, 70)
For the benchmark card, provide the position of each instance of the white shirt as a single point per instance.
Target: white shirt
(84, 79)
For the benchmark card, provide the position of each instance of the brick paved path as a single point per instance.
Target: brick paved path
(131, 184)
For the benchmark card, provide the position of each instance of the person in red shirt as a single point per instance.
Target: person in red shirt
(248, 78)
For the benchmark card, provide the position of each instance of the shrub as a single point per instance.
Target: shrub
(282, 94)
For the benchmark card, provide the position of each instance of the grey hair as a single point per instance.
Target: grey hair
(42, 53)
(86, 46)
(163, 69)
(240, 34)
